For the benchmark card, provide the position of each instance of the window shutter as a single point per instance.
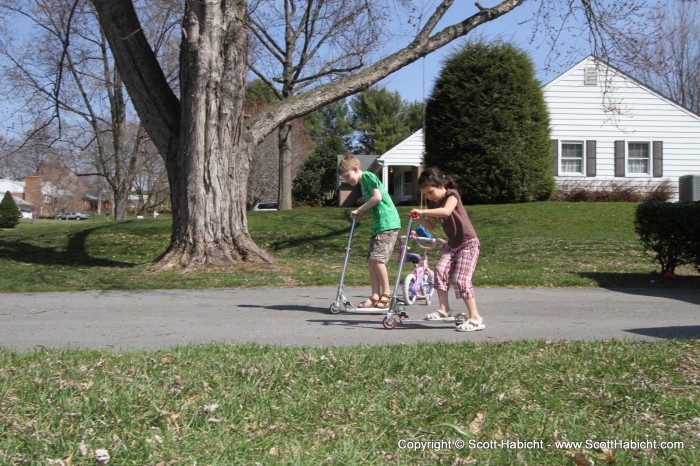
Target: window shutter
(555, 156)
(658, 158)
(590, 158)
(619, 158)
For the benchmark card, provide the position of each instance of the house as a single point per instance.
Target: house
(607, 130)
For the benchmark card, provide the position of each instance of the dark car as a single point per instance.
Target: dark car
(72, 216)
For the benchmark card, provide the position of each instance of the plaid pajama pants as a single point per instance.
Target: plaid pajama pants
(459, 264)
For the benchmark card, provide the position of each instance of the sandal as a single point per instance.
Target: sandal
(369, 302)
(471, 325)
(438, 315)
(383, 302)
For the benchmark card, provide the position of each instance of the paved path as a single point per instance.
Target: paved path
(299, 316)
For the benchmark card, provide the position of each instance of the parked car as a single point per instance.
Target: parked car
(264, 206)
(72, 216)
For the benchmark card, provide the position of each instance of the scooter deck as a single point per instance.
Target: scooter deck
(363, 310)
(450, 321)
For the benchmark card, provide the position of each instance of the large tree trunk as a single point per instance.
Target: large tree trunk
(210, 173)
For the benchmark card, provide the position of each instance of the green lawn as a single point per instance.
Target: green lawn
(247, 404)
(537, 244)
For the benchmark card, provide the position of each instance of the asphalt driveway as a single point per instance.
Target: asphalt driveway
(123, 320)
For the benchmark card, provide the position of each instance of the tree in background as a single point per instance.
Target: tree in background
(668, 61)
(316, 183)
(9, 212)
(263, 180)
(383, 119)
(72, 88)
(298, 44)
(486, 124)
(332, 120)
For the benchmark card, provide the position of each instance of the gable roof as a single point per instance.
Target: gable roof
(404, 153)
(609, 73)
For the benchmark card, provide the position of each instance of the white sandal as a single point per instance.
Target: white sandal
(471, 325)
(438, 315)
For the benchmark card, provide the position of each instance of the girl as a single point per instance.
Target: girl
(461, 251)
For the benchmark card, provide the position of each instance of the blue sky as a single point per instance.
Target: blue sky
(415, 81)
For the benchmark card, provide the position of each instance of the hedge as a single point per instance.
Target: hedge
(671, 231)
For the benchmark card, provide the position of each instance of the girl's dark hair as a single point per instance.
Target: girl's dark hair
(432, 176)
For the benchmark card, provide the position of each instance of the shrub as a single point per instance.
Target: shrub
(671, 231)
(487, 125)
(316, 182)
(9, 212)
(614, 192)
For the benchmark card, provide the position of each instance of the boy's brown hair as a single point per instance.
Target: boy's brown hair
(348, 162)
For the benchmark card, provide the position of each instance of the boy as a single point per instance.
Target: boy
(385, 227)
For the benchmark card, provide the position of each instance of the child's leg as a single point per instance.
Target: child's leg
(465, 265)
(380, 251)
(375, 278)
(442, 281)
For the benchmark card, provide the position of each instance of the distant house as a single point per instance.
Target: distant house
(607, 129)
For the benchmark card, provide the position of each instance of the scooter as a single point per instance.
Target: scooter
(342, 303)
(396, 314)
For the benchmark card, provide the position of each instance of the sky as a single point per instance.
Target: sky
(414, 82)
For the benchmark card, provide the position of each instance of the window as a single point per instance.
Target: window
(572, 157)
(638, 158)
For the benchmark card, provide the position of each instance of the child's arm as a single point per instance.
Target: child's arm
(432, 215)
(373, 201)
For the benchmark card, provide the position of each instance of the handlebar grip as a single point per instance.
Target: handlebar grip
(415, 214)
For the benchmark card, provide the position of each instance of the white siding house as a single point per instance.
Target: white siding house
(398, 168)
(608, 129)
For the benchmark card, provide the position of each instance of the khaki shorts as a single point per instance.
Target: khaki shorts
(381, 245)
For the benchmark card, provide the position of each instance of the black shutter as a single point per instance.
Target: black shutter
(619, 158)
(590, 158)
(555, 156)
(658, 158)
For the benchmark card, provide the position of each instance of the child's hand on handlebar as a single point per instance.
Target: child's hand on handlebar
(416, 213)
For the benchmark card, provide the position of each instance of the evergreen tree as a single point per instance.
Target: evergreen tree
(384, 119)
(316, 182)
(487, 125)
(9, 212)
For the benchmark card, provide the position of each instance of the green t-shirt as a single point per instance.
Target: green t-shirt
(384, 215)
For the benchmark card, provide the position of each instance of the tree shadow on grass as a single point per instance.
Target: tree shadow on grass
(74, 255)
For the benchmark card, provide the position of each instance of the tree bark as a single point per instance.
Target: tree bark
(285, 168)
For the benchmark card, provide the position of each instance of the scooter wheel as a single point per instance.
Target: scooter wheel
(335, 309)
(390, 323)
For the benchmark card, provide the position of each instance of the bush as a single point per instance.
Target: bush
(316, 182)
(671, 231)
(614, 192)
(487, 125)
(9, 212)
